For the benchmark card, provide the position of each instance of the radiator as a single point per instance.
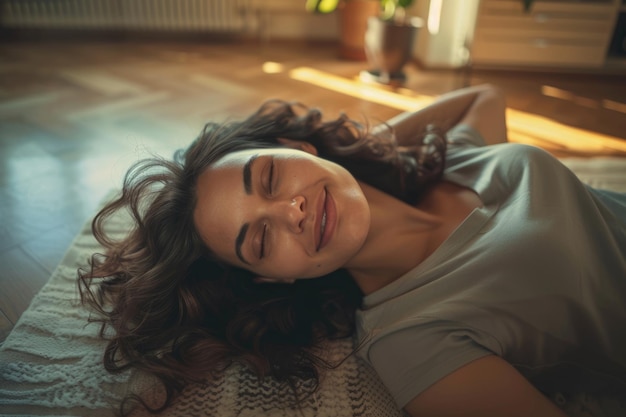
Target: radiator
(159, 15)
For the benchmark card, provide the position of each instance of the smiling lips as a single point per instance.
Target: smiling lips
(327, 220)
(323, 226)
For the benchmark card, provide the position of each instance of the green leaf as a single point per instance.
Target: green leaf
(321, 6)
(388, 9)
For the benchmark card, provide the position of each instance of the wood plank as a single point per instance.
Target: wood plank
(21, 278)
(5, 327)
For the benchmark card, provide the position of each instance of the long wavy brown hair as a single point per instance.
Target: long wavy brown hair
(180, 314)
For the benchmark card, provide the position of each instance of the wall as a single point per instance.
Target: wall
(288, 19)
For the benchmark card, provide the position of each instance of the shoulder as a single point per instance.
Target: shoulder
(501, 168)
(463, 137)
(465, 146)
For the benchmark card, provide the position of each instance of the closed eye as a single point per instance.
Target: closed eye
(262, 251)
(270, 177)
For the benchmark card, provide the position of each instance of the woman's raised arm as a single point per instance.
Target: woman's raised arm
(486, 387)
(482, 107)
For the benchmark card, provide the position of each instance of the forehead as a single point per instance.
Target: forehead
(218, 212)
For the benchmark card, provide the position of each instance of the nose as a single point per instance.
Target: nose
(292, 212)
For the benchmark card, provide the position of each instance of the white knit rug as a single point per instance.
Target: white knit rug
(50, 365)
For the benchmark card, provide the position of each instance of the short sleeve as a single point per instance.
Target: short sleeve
(410, 360)
(463, 134)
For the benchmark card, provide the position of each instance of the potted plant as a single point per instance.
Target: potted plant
(389, 42)
(378, 30)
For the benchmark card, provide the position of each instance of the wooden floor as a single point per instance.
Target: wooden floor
(74, 115)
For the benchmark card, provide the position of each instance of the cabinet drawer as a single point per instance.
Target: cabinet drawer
(564, 7)
(537, 52)
(546, 16)
(544, 23)
(515, 35)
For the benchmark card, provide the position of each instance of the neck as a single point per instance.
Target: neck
(398, 240)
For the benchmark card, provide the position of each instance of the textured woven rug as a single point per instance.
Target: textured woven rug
(51, 363)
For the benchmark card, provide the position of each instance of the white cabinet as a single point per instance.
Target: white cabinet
(554, 33)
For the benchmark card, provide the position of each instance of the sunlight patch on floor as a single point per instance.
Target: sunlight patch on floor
(614, 105)
(524, 127)
(541, 131)
(271, 67)
(559, 93)
(402, 100)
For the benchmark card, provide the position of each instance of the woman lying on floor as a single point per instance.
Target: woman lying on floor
(477, 275)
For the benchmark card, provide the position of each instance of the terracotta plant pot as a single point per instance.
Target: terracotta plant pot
(388, 47)
(353, 18)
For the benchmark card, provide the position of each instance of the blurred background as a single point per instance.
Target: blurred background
(89, 86)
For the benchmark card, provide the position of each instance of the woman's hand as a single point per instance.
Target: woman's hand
(486, 387)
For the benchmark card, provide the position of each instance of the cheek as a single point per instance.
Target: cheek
(290, 261)
(300, 266)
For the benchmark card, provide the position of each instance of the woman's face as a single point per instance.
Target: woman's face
(281, 213)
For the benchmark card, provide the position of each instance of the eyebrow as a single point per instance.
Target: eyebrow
(247, 174)
(247, 186)
(239, 241)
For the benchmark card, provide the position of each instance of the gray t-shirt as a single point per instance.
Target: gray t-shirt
(536, 276)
